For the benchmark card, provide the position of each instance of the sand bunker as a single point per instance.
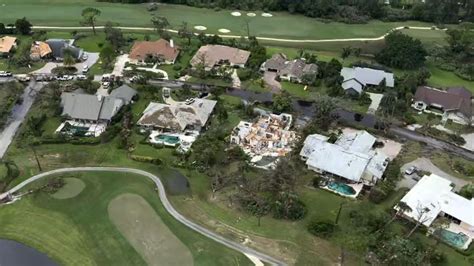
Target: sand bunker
(200, 28)
(236, 14)
(267, 15)
(251, 14)
(224, 30)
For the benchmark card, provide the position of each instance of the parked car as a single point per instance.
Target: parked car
(81, 77)
(411, 170)
(61, 78)
(416, 177)
(22, 77)
(85, 69)
(105, 84)
(5, 74)
(84, 57)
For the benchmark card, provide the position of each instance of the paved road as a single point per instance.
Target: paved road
(47, 69)
(435, 143)
(18, 115)
(239, 36)
(166, 203)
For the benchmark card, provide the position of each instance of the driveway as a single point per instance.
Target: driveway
(17, 115)
(425, 164)
(469, 138)
(374, 105)
(120, 64)
(48, 67)
(270, 80)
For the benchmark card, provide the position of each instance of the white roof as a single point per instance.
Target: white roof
(365, 76)
(352, 84)
(360, 141)
(435, 193)
(339, 161)
(310, 143)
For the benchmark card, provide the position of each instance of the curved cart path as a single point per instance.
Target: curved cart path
(166, 203)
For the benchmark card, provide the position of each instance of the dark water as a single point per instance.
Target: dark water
(176, 183)
(13, 253)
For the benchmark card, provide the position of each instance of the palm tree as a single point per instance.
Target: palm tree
(68, 58)
(421, 217)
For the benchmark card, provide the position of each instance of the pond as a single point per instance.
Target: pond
(176, 183)
(13, 253)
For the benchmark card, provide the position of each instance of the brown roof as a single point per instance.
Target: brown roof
(449, 100)
(216, 54)
(277, 62)
(6, 44)
(157, 48)
(40, 49)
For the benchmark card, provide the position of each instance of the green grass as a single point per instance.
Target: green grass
(429, 38)
(78, 231)
(442, 78)
(73, 186)
(282, 25)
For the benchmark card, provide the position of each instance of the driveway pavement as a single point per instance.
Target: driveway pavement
(120, 64)
(374, 105)
(270, 80)
(48, 67)
(425, 164)
(17, 115)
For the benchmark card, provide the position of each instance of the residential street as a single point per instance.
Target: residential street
(164, 200)
(48, 67)
(18, 115)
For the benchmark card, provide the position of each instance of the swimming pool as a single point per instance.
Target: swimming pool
(457, 240)
(342, 188)
(167, 139)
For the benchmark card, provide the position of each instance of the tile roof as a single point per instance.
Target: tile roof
(6, 44)
(451, 100)
(40, 49)
(162, 48)
(216, 54)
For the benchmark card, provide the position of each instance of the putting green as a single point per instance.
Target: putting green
(146, 232)
(71, 189)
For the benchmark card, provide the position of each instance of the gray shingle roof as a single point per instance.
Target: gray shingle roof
(124, 92)
(89, 107)
(365, 76)
(58, 46)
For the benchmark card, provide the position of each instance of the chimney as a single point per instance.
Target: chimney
(172, 43)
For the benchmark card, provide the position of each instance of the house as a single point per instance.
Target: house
(162, 49)
(293, 70)
(40, 50)
(212, 56)
(7, 44)
(352, 157)
(58, 46)
(356, 79)
(454, 103)
(265, 140)
(191, 115)
(433, 197)
(125, 93)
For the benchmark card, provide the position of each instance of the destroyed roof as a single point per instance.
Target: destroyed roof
(179, 115)
(450, 100)
(310, 142)
(212, 55)
(40, 49)
(360, 141)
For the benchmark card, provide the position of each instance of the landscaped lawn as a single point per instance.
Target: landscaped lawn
(281, 25)
(78, 231)
(442, 78)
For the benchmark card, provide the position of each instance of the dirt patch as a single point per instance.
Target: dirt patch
(72, 188)
(146, 232)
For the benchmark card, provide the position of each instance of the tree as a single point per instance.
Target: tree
(89, 16)
(421, 217)
(402, 208)
(346, 52)
(324, 112)
(114, 36)
(467, 191)
(322, 229)
(160, 23)
(23, 26)
(289, 206)
(281, 103)
(402, 51)
(68, 57)
(185, 32)
(398, 251)
(107, 55)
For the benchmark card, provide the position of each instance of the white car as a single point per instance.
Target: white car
(85, 69)
(61, 78)
(105, 84)
(85, 56)
(5, 74)
(81, 77)
(411, 170)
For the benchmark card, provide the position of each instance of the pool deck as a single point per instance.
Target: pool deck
(94, 130)
(458, 229)
(356, 187)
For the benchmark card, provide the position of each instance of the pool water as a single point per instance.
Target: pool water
(457, 240)
(342, 188)
(172, 140)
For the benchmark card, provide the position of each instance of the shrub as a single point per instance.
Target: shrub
(322, 229)
(288, 206)
(377, 195)
(177, 67)
(467, 191)
(146, 159)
